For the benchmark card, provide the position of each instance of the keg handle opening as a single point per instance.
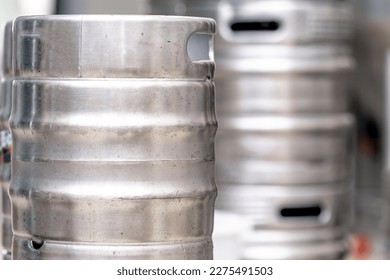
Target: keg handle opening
(200, 46)
(252, 22)
(255, 26)
(313, 211)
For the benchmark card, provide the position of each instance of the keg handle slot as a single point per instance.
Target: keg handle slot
(255, 26)
(200, 46)
(301, 212)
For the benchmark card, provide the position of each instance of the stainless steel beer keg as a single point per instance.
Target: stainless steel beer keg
(282, 79)
(113, 129)
(6, 142)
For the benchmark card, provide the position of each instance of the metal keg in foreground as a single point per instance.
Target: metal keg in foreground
(282, 80)
(113, 128)
(6, 143)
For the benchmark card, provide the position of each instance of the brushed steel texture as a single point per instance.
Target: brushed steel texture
(114, 161)
(281, 93)
(285, 149)
(113, 128)
(6, 142)
(195, 249)
(99, 47)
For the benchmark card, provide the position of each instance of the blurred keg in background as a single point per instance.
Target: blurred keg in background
(113, 128)
(6, 143)
(285, 142)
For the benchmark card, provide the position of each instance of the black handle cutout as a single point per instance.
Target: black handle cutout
(259, 26)
(298, 212)
(36, 244)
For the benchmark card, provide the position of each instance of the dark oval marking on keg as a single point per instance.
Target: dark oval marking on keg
(258, 26)
(297, 212)
(37, 244)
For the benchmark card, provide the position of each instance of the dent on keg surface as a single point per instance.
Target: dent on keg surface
(283, 81)
(113, 128)
(6, 143)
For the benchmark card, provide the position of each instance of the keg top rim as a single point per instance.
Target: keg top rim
(116, 46)
(107, 17)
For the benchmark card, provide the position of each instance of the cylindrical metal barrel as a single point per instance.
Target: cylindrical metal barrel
(6, 142)
(282, 80)
(113, 128)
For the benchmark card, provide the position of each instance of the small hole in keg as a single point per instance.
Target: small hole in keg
(266, 25)
(36, 244)
(297, 212)
(200, 47)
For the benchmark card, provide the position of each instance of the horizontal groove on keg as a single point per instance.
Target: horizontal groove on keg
(266, 25)
(297, 212)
